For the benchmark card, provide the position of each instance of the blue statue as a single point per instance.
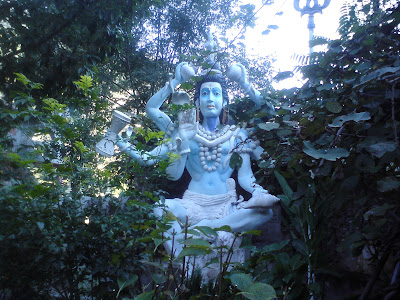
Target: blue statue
(204, 147)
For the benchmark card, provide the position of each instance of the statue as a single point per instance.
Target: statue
(204, 148)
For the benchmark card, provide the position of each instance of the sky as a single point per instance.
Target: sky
(292, 34)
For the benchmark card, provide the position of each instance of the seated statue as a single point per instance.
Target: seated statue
(205, 150)
(204, 143)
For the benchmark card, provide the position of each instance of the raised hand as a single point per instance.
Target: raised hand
(183, 73)
(243, 76)
(187, 124)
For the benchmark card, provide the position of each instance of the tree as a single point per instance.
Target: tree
(51, 41)
(337, 162)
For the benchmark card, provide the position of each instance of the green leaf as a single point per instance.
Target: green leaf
(35, 85)
(283, 75)
(300, 247)
(115, 259)
(159, 278)
(291, 123)
(241, 280)
(235, 161)
(197, 242)
(326, 87)
(80, 146)
(226, 228)
(157, 242)
(284, 133)
(377, 75)
(215, 260)
(85, 82)
(356, 117)
(187, 86)
(252, 232)
(22, 78)
(285, 186)
(123, 282)
(388, 184)
(275, 246)
(191, 251)
(145, 296)
(40, 225)
(287, 203)
(328, 154)
(268, 126)
(378, 211)
(381, 148)
(193, 232)
(317, 41)
(260, 291)
(206, 230)
(333, 107)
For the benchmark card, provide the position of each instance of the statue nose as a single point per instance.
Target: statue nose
(211, 97)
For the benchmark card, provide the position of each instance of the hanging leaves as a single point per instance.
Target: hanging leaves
(334, 107)
(235, 161)
(356, 117)
(268, 126)
(328, 154)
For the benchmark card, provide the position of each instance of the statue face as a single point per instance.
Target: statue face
(211, 100)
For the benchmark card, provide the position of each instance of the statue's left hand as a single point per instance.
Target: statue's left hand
(260, 199)
(243, 77)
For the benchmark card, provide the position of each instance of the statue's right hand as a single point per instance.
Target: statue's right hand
(187, 124)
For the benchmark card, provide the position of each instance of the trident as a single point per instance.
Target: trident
(310, 10)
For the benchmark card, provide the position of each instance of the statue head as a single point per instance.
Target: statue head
(211, 84)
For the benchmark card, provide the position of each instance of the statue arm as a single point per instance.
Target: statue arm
(186, 131)
(156, 101)
(176, 168)
(251, 91)
(146, 158)
(246, 177)
(260, 196)
(248, 87)
(149, 158)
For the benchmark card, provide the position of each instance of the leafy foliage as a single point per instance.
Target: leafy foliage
(75, 225)
(337, 162)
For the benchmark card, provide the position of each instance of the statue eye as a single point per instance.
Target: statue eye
(204, 93)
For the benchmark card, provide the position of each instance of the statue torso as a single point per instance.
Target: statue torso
(209, 176)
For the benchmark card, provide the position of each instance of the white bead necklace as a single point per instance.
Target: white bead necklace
(210, 157)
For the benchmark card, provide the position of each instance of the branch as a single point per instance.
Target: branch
(118, 85)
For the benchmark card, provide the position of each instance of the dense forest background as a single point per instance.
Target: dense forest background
(74, 225)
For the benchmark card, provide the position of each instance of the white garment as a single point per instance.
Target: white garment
(199, 207)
